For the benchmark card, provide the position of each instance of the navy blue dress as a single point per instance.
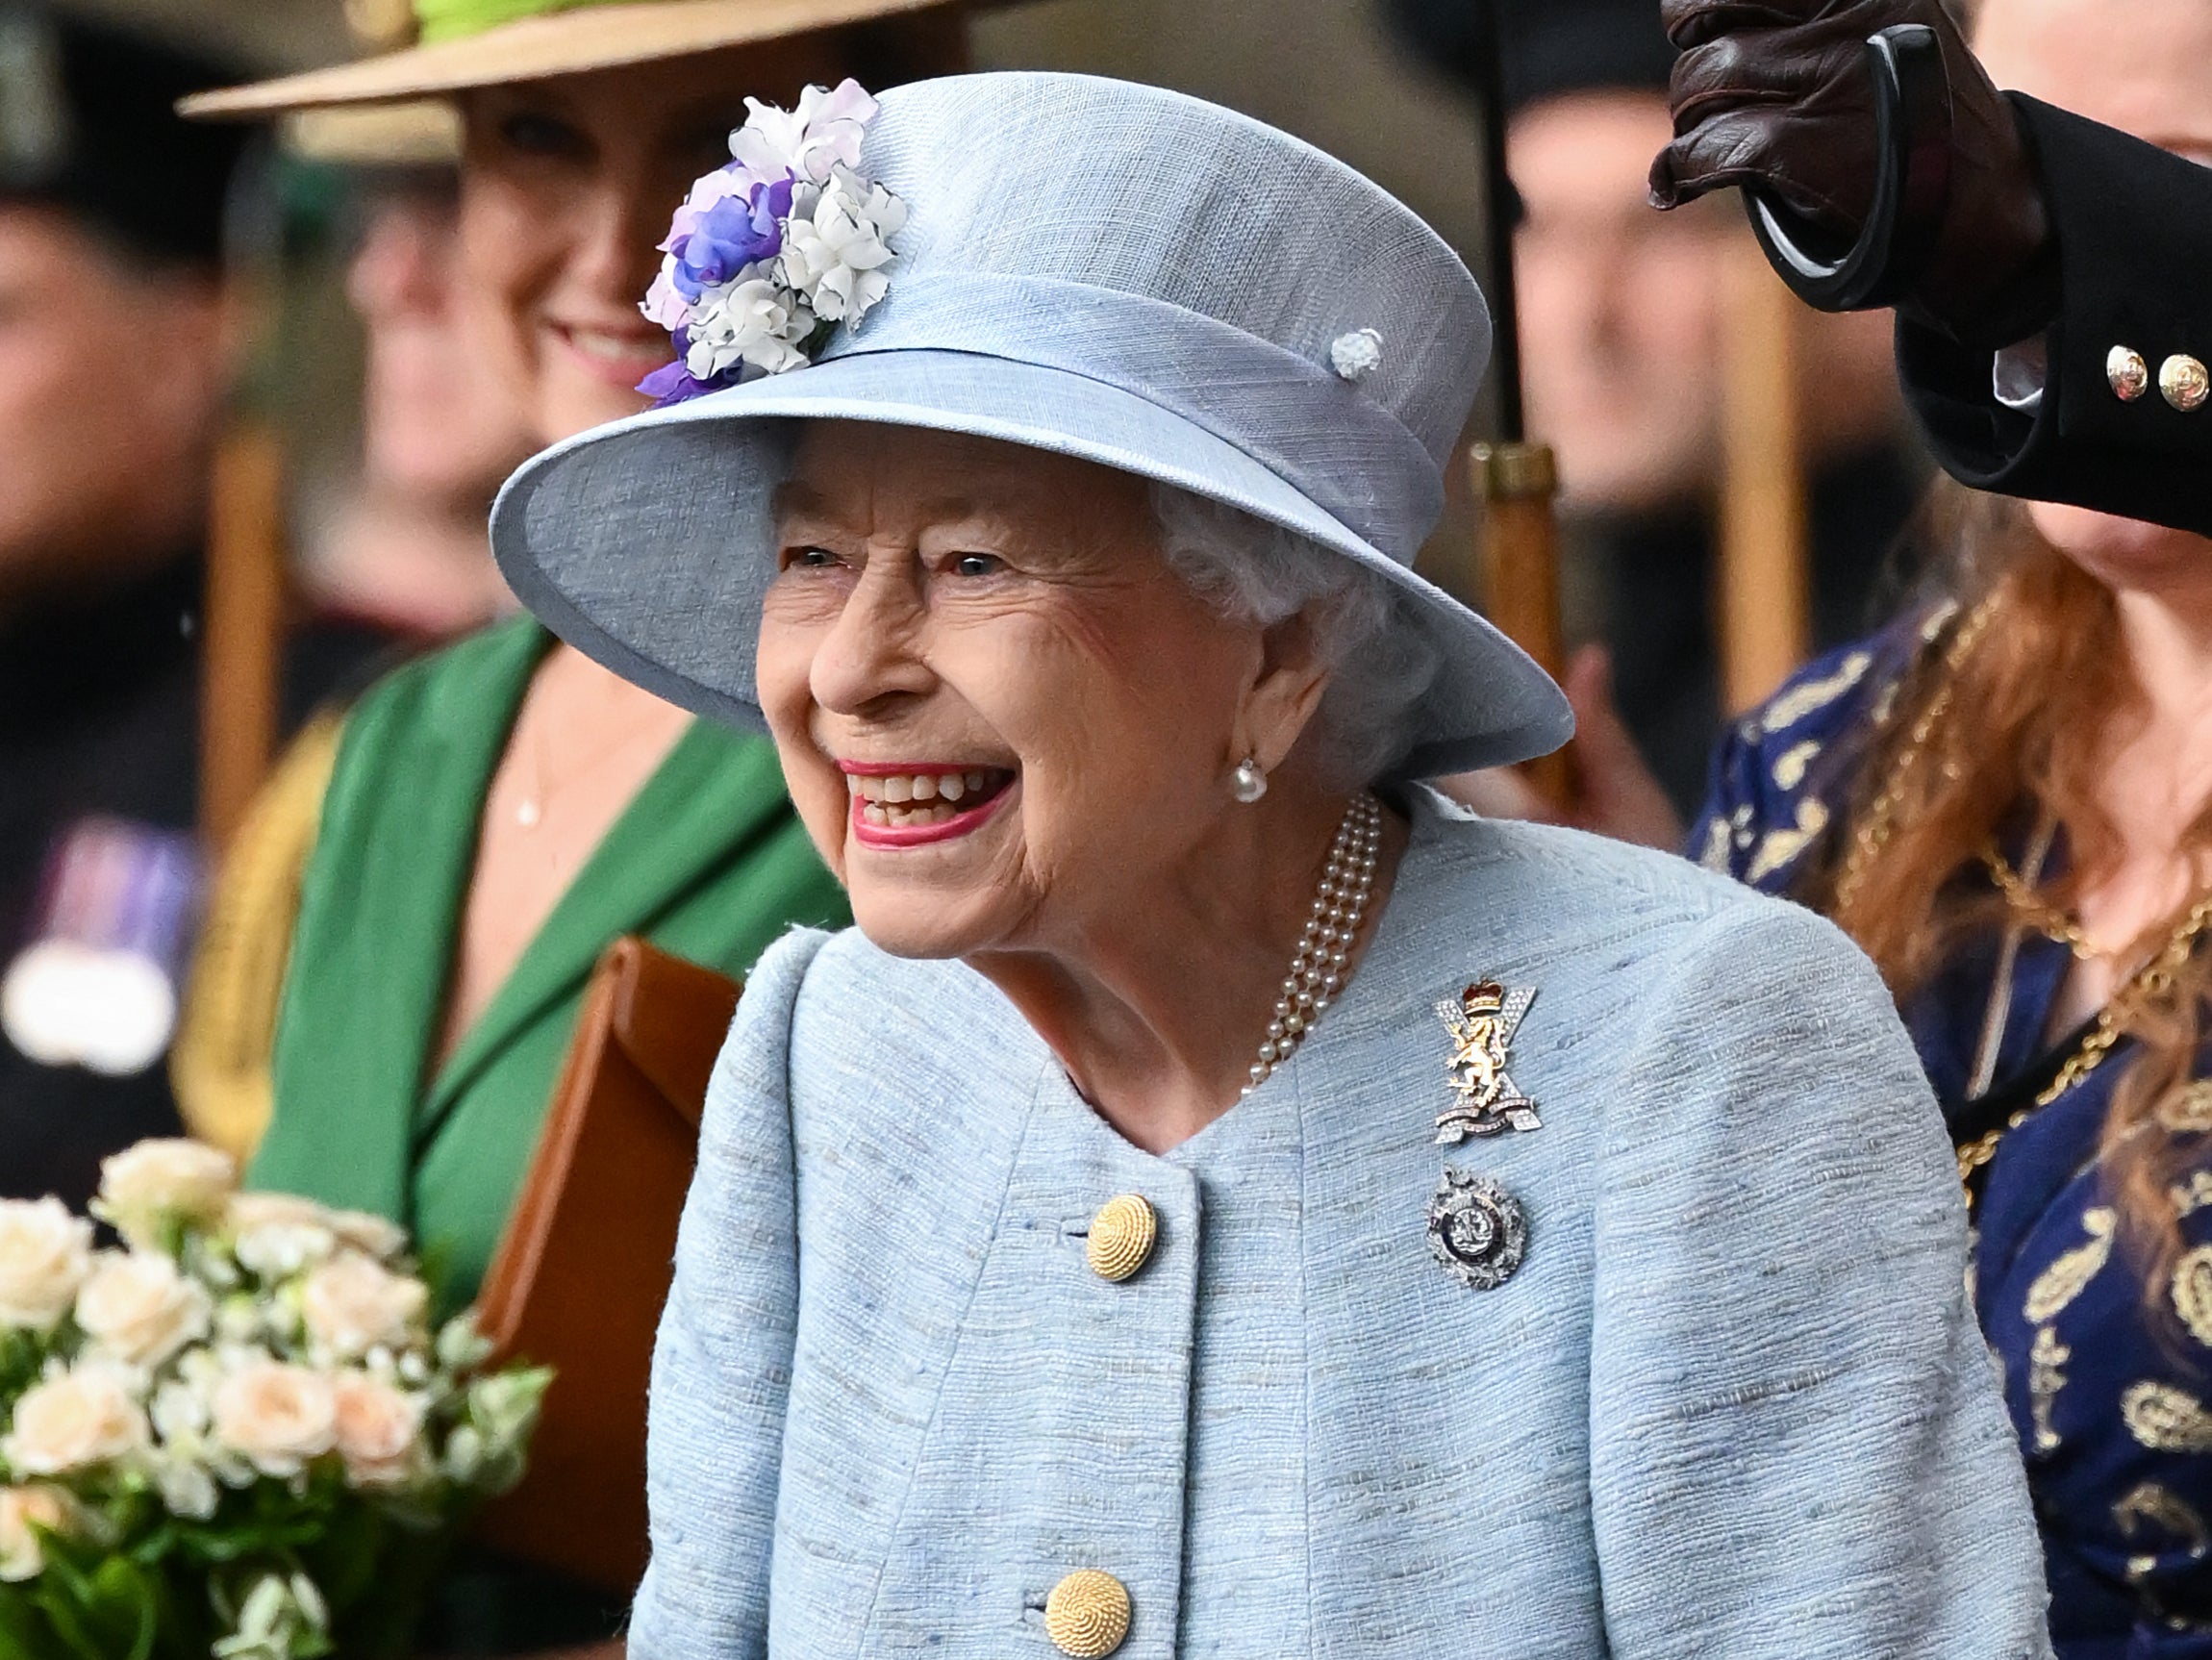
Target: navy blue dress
(2108, 1380)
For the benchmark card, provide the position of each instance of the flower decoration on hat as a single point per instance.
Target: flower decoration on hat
(771, 252)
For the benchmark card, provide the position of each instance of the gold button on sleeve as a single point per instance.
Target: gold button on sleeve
(1087, 1616)
(2185, 383)
(2127, 371)
(1122, 1235)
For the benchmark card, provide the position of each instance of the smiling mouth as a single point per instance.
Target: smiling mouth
(615, 355)
(924, 798)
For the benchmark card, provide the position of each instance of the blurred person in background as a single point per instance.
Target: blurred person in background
(2006, 798)
(440, 426)
(500, 812)
(1624, 313)
(117, 339)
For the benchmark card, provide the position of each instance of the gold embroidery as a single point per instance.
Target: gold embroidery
(2193, 1293)
(2165, 1419)
(1790, 765)
(2065, 1279)
(1714, 854)
(1793, 706)
(1780, 846)
(2139, 1569)
(2046, 1377)
(2154, 1506)
(2194, 1197)
(2189, 1111)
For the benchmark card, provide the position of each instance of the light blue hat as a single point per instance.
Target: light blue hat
(1099, 270)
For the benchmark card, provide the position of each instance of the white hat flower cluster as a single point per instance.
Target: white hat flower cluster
(771, 252)
(187, 1418)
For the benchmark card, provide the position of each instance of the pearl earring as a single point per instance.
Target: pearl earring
(1249, 782)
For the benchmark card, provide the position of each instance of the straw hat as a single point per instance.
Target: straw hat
(1093, 268)
(466, 44)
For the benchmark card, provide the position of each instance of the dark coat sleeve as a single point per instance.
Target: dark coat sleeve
(2133, 226)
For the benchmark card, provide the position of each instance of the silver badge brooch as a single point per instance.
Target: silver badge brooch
(1482, 1021)
(1478, 1230)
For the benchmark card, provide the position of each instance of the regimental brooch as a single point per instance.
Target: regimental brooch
(1478, 1230)
(1482, 1021)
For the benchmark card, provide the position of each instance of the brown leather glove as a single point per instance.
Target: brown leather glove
(1775, 95)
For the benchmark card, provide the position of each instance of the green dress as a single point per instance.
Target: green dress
(709, 862)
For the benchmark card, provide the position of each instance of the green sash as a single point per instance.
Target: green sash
(707, 861)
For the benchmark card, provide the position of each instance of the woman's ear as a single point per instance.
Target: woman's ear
(1285, 693)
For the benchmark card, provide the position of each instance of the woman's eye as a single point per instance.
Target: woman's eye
(810, 559)
(978, 564)
(532, 133)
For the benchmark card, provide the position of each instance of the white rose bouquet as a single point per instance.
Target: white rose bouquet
(236, 1436)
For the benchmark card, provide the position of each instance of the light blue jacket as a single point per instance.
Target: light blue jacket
(1733, 1404)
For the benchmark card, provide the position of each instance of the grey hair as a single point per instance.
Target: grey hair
(1379, 661)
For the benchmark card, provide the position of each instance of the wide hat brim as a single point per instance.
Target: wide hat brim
(571, 43)
(649, 544)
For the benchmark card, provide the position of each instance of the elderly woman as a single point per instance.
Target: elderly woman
(1221, 1200)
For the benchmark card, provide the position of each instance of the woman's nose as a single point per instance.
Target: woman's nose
(871, 652)
(612, 256)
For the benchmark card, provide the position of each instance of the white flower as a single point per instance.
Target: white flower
(145, 1186)
(835, 254)
(1357, 355)
(274, 1236)
(183, 1464)
(824, 132)
(277, 1416)
(72, 1420)
(754, 322)
(461, 1346)
(44, 1255)
(140, 1308)
(22, 1555)
(351, 1306)
(378, 1431)
(278, 1617)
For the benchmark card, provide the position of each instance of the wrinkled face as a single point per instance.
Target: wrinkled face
(2145, 67)
(102, 443)
(568, 186)
(1620, 306)
(1002, 716)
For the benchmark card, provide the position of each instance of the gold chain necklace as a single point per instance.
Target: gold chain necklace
(1878, 824)
(2149, 983)
(2032, 909)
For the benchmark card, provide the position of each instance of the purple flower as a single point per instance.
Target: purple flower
(736, 232)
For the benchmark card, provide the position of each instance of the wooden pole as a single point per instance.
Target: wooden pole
(1763, 584)
(1516, 483)
(241, 648)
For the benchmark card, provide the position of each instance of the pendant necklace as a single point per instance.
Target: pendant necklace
(1323, 961)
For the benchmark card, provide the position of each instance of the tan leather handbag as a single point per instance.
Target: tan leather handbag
(584, 1264)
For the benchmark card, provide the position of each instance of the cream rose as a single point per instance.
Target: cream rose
(379, 1430)
(146, 1185)
(44, 1255)
(73, 1420)
(351, 1306)
(277, 1416)
(140, 1308)
(368, 1233)
(22, 1555)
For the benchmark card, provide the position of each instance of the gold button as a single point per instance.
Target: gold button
(1087, 1616)
(2128, 373)
(2185, 381)
(1122, 1235)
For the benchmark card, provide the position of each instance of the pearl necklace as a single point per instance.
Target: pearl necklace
(1320, 970)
